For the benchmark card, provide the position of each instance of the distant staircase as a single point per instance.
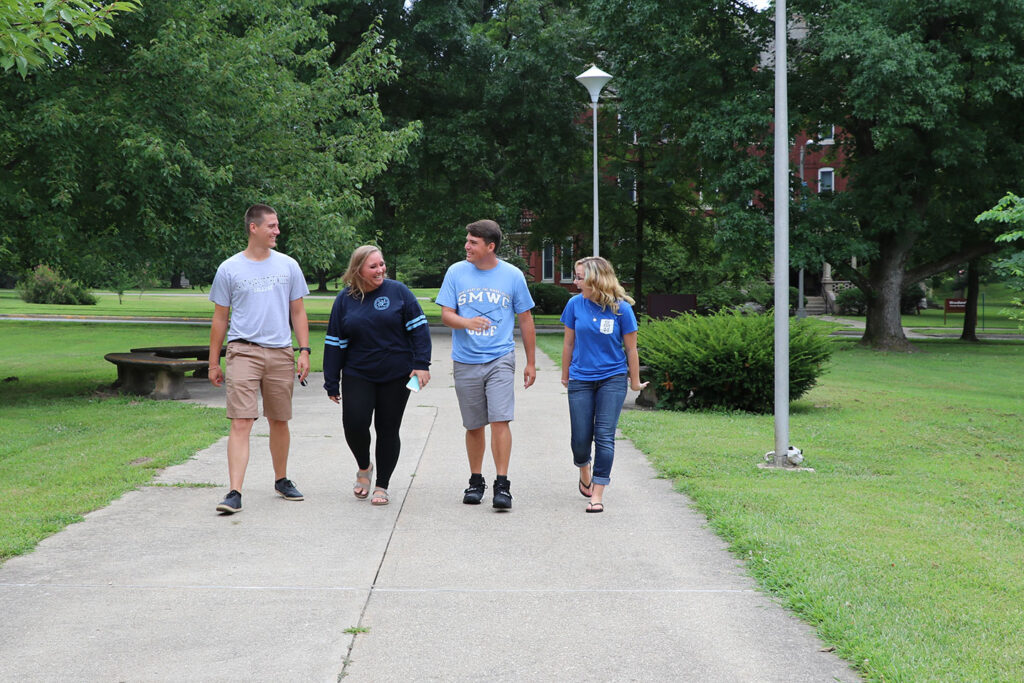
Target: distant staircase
(815, 305)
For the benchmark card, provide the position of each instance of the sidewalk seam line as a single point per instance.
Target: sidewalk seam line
(384, 554)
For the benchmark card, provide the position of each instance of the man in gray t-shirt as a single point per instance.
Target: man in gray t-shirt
(263, 291)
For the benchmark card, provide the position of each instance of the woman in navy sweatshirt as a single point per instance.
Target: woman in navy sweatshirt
(377, 340)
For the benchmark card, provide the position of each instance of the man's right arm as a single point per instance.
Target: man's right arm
(218, 330)
(455, 321)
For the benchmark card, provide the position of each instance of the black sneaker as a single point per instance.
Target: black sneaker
(231, 504)
(475, 493)
(286, 489)
(502, 495)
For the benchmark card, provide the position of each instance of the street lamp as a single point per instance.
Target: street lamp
(593, 79)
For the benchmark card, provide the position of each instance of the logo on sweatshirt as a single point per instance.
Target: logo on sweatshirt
(381, 303)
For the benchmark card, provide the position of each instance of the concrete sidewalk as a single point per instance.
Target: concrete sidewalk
(158, 587)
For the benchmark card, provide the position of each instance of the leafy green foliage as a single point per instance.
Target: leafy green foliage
(731, 293)
(1010, 210)
(44, 285)
(191, 112)
(34, 34)
(726, 360)
(930, 101)
(689, 99)
(549, 298)
(492, 84)
(852, 301)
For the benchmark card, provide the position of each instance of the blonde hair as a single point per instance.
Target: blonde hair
(353, 278)
(599, 275)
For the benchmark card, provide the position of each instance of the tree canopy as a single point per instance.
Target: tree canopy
(146, 148)
(930, 98)
(34, 34)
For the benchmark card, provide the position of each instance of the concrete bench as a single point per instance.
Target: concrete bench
(197, 352)
(147, 374)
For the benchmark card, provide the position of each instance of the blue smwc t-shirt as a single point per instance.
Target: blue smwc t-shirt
(498, 294)
(597, 353)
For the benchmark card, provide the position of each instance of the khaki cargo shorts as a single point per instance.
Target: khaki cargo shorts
(254, 371)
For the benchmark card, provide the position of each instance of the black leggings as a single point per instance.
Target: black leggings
(384, 404)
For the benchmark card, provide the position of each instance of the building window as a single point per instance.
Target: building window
(826, 135)
(548, 263)
(567, 260)
(826, 180)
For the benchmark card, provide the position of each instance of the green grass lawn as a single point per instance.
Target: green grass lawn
(190, 304)
(904, 548)
(992, 313)
(67, 448)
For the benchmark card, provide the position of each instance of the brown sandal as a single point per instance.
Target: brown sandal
(359, 486)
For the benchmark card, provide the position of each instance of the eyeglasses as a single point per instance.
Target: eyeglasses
(577, 278)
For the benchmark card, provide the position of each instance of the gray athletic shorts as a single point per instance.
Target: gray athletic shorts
(486, 391)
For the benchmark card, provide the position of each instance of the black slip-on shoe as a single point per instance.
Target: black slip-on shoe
(286, 489)
(231, 504)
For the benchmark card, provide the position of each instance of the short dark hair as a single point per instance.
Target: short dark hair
(256, 213)
(487, 230)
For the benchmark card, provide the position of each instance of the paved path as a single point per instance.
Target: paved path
(157, 587)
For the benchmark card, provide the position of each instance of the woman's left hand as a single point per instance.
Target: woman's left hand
(638, 386)
(422, 375)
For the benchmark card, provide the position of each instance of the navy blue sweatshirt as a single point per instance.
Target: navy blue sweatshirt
(380, 337)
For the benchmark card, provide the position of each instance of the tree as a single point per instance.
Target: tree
(929, 96)
(694, 106)
(192, 112)
(492, 84)
(34, 34)
(1010, 211)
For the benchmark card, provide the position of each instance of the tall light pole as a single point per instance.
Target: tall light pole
(593, 79)
(781, 452)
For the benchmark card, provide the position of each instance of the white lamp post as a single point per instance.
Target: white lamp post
(593, 79)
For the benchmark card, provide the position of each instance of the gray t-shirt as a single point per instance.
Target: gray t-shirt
(259, 294)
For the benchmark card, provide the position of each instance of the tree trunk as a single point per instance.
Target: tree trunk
(971, 310)
(321, 279)
(884, 328)
(176, 280)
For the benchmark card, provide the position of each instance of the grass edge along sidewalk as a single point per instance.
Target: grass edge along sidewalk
(903, 549)
(67, 445)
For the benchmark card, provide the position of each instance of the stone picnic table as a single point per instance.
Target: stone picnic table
(159, 371)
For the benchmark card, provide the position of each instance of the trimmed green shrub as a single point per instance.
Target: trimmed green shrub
(732, 294)
(727, 360)
(45, 285)
(851, 301)
(549, 298)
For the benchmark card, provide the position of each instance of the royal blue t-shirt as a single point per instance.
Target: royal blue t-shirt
(598, 352)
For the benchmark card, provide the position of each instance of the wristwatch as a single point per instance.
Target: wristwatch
(306, 349)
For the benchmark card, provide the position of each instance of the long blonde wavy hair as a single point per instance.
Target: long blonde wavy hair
(357, 284)
(599, 275)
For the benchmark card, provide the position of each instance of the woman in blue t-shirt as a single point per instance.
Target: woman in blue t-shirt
(598, 354)
(377, 340)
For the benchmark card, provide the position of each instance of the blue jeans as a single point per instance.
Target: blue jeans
(594, 408)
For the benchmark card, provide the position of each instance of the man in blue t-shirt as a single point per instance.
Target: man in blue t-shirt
(480, 300)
